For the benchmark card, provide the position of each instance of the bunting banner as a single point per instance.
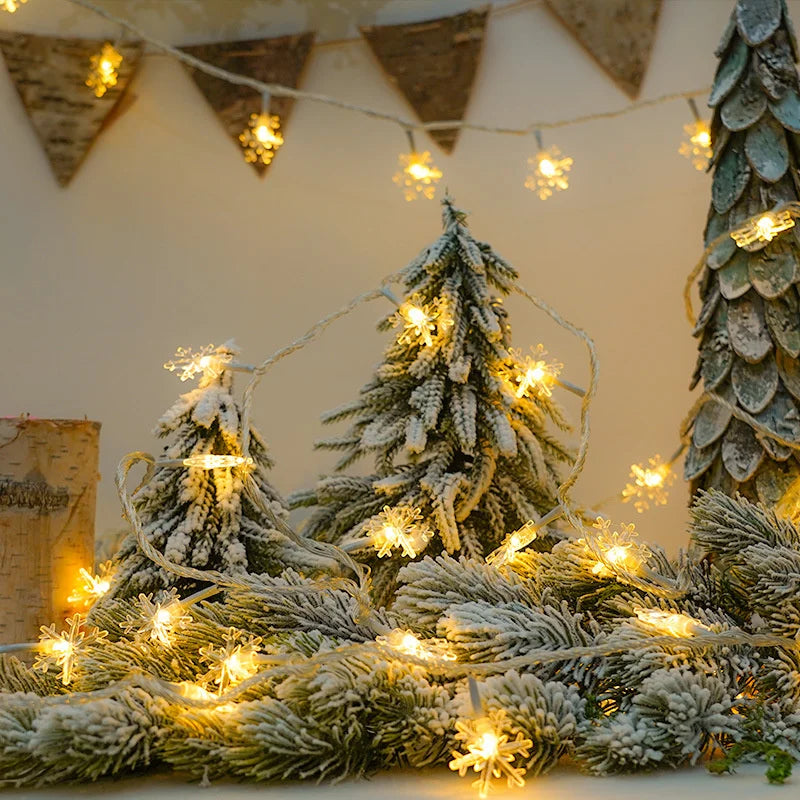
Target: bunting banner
(433, 63)
(618, 34)
(50, 75)
(277, 60)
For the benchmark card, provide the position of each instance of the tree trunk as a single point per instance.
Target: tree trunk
(48, 482)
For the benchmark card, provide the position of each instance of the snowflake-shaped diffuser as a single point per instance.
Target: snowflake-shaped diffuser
(615, 548)
(489, 751)
(91, 587)
(208, 361)
(550, 171)
(400, 527)
(60, 649)
(417, 175)
(233, 662)
(649, 485)
(158, 620)
(262, 138)
(534, 374)
(696, 145)
(421, 322)
(104, 69)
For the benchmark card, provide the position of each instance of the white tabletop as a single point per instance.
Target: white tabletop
(564, 783)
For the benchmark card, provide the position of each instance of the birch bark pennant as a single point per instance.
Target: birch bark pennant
(433, 63)
(49, 74)
(618, 34)
(276, 60)
(48, 483)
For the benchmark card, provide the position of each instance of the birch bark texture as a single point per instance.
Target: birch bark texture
(48, 486)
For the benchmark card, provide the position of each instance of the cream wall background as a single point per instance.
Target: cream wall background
(167, 237)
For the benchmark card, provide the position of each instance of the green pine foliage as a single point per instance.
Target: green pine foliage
(441, 421)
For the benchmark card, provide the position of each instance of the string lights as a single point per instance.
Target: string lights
(550, 170)
(763, 228)
(398, 528)
(11, 5)
(158, 620)
(104, 69)
(670, 623)
(91, 587)
(262, 137)
(233, 662)
(615, 549)
(697, 139)
(422, 322)
(208, 361)
(60, 649)
(533, 373)
(216, 461)
(514, 542)
(417, 175)
(407, 643)
(649, 484)
(489, 748)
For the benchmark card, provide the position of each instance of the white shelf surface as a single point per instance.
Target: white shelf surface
(564, 783)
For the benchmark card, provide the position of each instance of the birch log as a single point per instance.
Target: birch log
(48, 483)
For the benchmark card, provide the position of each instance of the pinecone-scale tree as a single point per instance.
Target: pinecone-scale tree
(749, 325)
(201, 517)
(454, 434)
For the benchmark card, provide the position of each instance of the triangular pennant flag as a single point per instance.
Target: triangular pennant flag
(618, 34)
(50, 76)
(277, 60)
(433, 64)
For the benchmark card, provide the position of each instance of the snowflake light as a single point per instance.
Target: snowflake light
(104, 69)
(615, 549)
(550, 172)
(696, 145)
(407, 643)
(157, 621)
(234, 662)
(262, 138)
(513, 543)
(209, 362)
(422, 322)
(217, 461)
(11, 5)
(418, 175)
(671, 624)
(60, 650)
(91, 587)
(763, 229)
(650, 484)
(533, 373)
(398, 528)
(489, 751)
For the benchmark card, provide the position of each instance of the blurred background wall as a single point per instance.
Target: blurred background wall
(166, 237)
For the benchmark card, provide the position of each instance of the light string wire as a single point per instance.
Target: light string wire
(792, 207)
(279, 90)
(451, 670)
(167, 690)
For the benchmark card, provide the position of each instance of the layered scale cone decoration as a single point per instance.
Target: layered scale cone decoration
(461, 439)
(749, 328)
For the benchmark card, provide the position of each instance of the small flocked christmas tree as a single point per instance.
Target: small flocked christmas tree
(458, 424)
(201, 517)
(749, 326)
